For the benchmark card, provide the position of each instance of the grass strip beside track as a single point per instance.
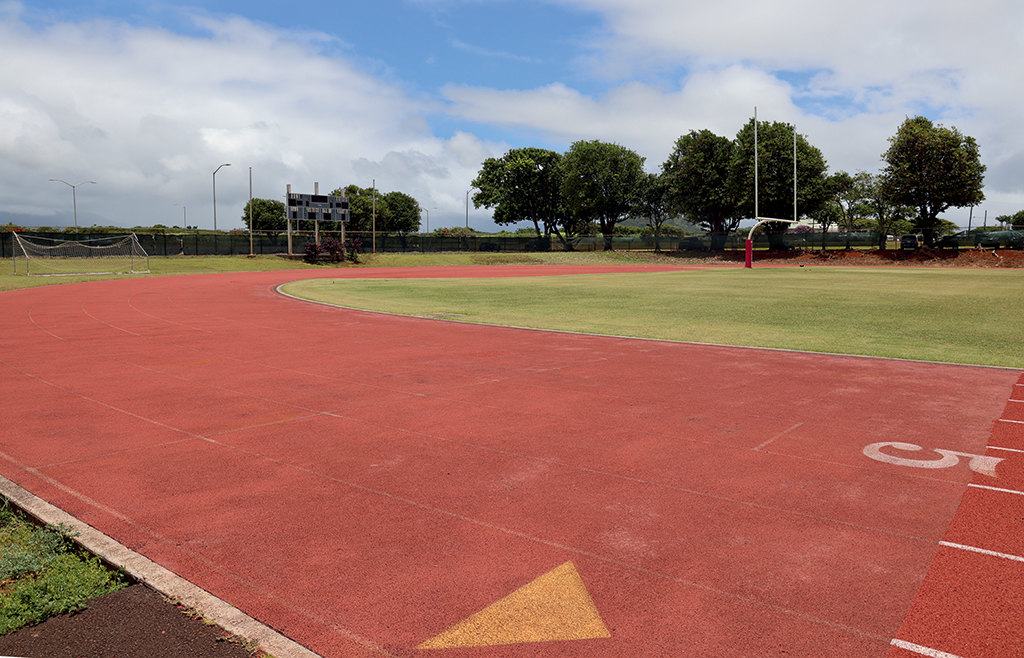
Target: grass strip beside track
(970, 316)
(42, 572)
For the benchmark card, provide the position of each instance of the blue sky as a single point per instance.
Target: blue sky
(148, 99)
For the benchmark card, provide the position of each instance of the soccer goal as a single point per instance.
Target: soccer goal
(36, 256)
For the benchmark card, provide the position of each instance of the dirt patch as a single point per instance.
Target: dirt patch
(923, 257)
(135, 621)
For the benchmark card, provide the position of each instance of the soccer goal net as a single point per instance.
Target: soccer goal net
(36, 256)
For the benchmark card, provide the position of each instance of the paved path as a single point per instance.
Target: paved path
(383, 486)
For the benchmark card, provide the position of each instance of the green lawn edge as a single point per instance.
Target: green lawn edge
(967, 316)
(43, 573)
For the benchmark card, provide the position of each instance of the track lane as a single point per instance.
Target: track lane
(309, 484)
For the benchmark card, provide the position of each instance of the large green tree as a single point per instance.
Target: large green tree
(847, 193)
(363, 204)
(267, 215)
(403, 214)
(601, 182)
(654, 205)
(889, 216)
(524, 185)
(697, 174)
(932, 168)
(775, 175)
(1016, 220)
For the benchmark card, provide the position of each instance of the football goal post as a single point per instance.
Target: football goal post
(36, 256)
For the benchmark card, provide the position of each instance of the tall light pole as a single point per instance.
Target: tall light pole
(74, 197)
(250, 213)
(184, 226)
(467, 208)
(215, 206)
(427, 210)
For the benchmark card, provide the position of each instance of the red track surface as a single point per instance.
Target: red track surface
(363, 482)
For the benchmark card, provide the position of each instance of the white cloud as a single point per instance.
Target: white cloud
(846, 73)
(643, 117)
(149, 114)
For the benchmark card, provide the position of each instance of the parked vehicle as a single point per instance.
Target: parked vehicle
(909, 242)
(948, 242)
(997, 239)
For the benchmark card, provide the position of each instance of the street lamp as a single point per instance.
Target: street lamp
(184, 227)
(427, 210)
(215, 206)
(74, 197)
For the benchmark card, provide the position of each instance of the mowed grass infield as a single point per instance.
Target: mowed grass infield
(969, 316)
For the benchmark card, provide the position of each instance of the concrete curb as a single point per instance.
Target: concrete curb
(152, 574)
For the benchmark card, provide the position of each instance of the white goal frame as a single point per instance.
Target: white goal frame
(121, 254)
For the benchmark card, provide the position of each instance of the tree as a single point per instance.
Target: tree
(653, 205)
(601, 182)
(889, 216)
(267, 215)
(828, 214)
(1014, 221)
(775, 175)
(931, 168)
(403, 214)
(847, 194)
(361, 205)
(697, 174)
(523, 185)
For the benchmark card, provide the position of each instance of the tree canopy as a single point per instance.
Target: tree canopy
(523, 185)
(403, 214)
(267, 215)
(395, 212)
(601, 182)
(775, 172)
(697, 174)
(932, 168)
(654, 205)
(709, 179)
(1015, 220)
(361, 207)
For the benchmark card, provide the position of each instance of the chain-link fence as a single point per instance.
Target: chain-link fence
(206, 243)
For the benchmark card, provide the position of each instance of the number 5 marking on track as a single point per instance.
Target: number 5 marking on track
(979, 463)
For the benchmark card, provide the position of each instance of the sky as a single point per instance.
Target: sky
(149, 99)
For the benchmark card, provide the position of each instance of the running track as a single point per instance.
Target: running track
(373, 485)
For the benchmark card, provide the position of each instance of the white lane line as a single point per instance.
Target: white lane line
(924, 651)
(1006, 449)
(782, 433)
(982, 550)
(982, 486)
(1007, 420)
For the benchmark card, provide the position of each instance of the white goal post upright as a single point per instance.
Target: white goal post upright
(748, 260)
(120, 254)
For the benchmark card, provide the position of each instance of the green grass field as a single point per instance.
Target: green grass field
(973, 316)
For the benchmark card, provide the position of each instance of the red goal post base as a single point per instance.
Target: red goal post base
(748, 261)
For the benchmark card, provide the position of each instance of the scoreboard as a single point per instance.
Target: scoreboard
(318, 207)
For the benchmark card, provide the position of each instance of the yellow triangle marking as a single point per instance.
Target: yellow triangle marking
(555, 606)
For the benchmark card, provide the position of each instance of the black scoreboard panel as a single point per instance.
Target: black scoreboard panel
(319, 207)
